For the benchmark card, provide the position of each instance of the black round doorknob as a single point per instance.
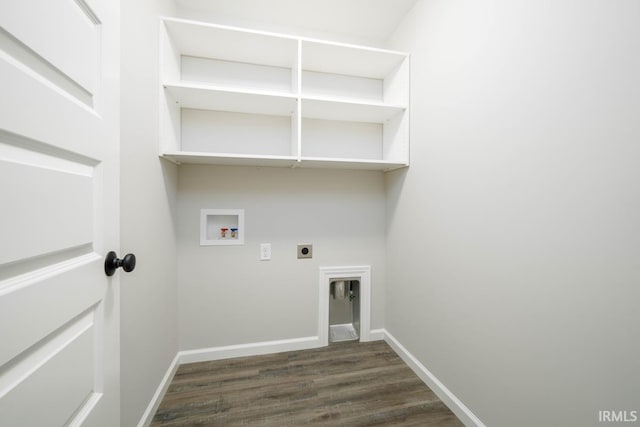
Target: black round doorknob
(112, 263)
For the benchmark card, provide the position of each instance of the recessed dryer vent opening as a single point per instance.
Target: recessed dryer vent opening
(345, 304)
(344, 310)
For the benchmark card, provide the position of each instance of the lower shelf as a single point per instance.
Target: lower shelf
(187, 157)
(229, 159)
(337, 163)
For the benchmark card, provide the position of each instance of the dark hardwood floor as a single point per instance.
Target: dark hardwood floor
(345, 384)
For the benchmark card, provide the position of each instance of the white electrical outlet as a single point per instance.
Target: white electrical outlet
(265, 251)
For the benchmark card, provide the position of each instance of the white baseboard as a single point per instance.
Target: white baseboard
(147, 417)
(376, 334)
(448, 398)
(252, 349)
(268, 347)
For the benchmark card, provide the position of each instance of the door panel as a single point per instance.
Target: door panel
(63, 33)
(61, 362)
(43, 195)
(59, 133)
(62, 286)
(64, 120)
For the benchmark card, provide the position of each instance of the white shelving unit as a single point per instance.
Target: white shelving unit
(241, 97)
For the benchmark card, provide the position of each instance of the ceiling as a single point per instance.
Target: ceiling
(361, 20)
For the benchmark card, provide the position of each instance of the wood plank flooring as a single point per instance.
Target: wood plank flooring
(344, 384)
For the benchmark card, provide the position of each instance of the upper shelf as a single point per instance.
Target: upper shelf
(208, 97)
(338, 58)
(326, 108)
(280, 50)
(190, 39)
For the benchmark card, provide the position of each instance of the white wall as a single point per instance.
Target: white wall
(513, 254)
(227, 296)
(148, 190)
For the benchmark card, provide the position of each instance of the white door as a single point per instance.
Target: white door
(59, 214)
